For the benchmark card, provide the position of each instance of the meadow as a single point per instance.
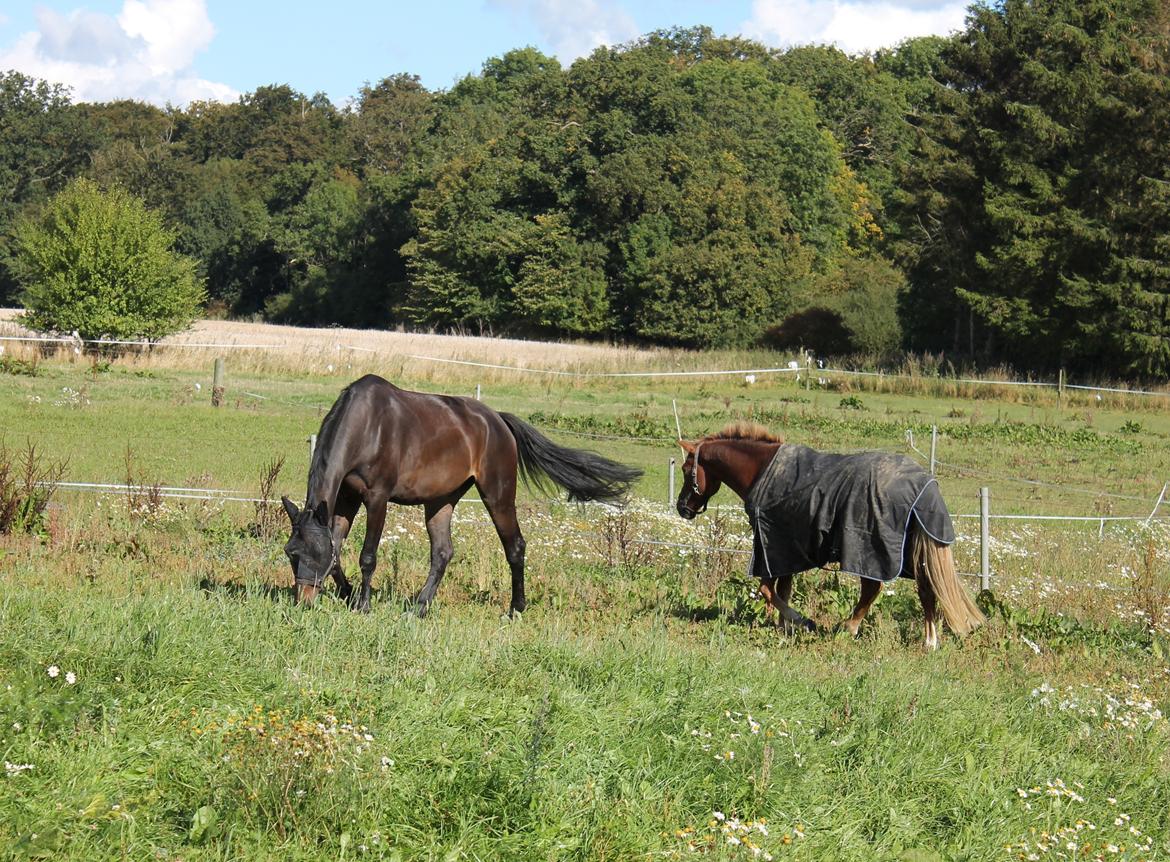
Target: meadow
(160, 697)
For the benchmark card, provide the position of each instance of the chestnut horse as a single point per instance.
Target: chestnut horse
(737, 456)
(380, 444)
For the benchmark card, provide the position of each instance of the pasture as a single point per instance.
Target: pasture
(160, 697)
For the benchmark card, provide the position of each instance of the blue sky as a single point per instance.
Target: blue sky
(181, 50)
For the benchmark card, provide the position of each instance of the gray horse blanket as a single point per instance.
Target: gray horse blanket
(809, 508)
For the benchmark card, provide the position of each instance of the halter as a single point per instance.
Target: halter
(334, 556)
(695, 480)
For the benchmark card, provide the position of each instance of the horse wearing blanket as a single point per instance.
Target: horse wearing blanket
(880, 516)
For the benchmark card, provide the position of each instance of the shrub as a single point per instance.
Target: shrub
(101, 264)
(27, 483)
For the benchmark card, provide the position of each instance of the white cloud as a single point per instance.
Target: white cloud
(852, 25)
(145, 53)
(573, 28)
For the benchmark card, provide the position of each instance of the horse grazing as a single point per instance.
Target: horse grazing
(810, 508)
(380, 444)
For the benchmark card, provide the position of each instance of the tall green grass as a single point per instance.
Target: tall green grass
(160, 698)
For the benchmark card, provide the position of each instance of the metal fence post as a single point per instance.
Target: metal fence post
(984, 539)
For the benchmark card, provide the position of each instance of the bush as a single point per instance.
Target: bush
(101, 264)
(27, 483)
(855, 310)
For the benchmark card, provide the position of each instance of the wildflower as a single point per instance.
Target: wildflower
(70, 677)
(53, 671)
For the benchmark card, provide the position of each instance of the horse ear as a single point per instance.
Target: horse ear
(291, 508)
(687, 447)
(321, 513)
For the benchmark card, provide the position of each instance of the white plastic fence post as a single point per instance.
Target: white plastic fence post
(1158, 503)
(984, 539)
(933, 446)
(312, 446)
(670, 482)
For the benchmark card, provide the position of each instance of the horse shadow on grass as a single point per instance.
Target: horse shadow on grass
(828, 601)
(210, 585)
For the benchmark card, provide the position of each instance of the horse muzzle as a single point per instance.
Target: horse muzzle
(306, 594)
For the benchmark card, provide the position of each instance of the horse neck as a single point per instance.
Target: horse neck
(330, 461)
(737, 463)
(323, 481)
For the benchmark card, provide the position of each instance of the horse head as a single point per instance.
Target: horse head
(699, 484)
(310, 548)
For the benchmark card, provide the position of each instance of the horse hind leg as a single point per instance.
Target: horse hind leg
(500, 501)
(934, 571)
(929, 611)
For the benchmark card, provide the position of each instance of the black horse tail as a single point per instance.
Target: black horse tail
(585, 475)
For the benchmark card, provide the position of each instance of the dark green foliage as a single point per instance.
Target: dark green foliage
(1002, 195)
(1049, 186)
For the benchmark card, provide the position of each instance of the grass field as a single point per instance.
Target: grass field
(160, 698)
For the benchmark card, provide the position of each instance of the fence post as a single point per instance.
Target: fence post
(217, 383)
(477, 393)
(808, 372)
(984, 539)
(670, 482)
(312, 446)
(1158, 503)
(1060, 388)
(933, 446)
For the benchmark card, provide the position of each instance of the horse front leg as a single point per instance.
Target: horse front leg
(438, 515)
(777, 593)
(347, 506)
(368, 561)
(870, 590)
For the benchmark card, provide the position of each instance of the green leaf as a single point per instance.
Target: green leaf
(203, 825)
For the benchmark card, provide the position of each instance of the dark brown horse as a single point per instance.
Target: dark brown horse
(380, 444)
(742, 454)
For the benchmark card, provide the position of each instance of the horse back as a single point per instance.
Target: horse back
(415, 446)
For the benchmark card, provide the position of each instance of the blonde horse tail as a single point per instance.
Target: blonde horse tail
(934, 563)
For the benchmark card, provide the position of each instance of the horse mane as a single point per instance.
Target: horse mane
(324, 448)
(746, 431)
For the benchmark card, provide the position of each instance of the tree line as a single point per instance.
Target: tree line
(1002, 195)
